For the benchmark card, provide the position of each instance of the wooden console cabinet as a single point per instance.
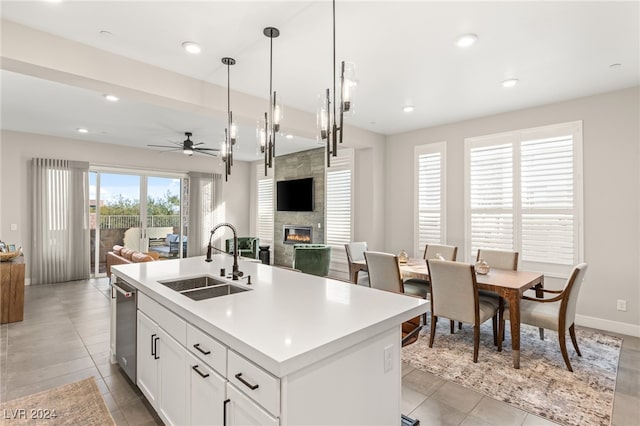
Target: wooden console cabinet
(12, 290)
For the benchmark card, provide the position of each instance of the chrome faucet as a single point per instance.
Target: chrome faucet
(236, 273)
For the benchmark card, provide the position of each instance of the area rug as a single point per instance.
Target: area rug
(542, 386)
(78, 403)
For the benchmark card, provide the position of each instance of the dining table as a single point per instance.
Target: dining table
(508, 284)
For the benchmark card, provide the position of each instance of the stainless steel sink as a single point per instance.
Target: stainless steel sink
(213, 291)
(203, 287)
(183, 284)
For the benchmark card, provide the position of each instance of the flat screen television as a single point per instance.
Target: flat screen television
(295, 195)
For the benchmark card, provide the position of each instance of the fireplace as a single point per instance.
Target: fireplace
(294, 234)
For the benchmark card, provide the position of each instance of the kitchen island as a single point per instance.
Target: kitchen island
(294, 349)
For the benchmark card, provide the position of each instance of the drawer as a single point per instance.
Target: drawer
(256, 383)
(167, 320)
(207, 349)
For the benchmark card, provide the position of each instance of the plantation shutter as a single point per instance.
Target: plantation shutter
(339, 184)
(491, 196)
(547, 182)
(265, 221)
(524, 193)
(429, 172)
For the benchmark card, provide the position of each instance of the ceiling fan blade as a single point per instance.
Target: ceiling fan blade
(204, 152)
(161, 146)
(206, 149)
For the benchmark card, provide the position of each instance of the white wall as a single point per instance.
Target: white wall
(611, 145)
(17, 150)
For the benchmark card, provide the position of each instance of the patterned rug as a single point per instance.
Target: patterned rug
(78, 403)
(542, 386)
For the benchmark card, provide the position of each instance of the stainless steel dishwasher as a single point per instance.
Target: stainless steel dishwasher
(126, 325)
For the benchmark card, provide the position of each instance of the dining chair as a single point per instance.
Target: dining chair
(500, 259)
(420, 287)
(355, 252)
(454, 295)
(384, 274)
(556, 313)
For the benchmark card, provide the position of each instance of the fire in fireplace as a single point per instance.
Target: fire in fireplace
(294, 234)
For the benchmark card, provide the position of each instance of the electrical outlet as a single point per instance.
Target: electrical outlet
(14, 226)
(388, 358)
(622, 305)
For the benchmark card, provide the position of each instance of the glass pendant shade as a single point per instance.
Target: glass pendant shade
(349, 83)
(322, 117)
(234, 132)
(277, 117)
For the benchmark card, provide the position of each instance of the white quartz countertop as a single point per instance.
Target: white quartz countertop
(289, 320)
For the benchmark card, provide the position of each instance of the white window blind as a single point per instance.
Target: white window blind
(339, 187)
(429, 197)
(524, 194)
(264, 225)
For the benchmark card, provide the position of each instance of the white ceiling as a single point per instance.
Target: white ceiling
(404, 51)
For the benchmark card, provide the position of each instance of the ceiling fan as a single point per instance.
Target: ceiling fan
(188, 147)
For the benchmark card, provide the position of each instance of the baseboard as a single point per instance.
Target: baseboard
(608, 325)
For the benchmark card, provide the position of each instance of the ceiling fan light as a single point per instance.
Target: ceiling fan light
(191, 47)
(408, 108)
(188, 151)
(82, 130)
(112, 98)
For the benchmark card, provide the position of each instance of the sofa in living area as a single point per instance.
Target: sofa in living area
(121, 255)
(247, 246)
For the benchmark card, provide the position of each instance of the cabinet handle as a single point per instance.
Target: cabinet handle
(155, 347)
(224, 411)
(153, 352)
(203, 375)
(244, 382)
(197, 346)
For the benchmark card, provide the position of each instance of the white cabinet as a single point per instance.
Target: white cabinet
(146, 358)
(162, 363)
(207, 394)
(242, 411)
(173, 379)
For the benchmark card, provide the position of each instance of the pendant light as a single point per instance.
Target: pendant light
(266, 132)
(330, 124)
(231, 131)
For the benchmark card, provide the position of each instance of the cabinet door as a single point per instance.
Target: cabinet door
(207, 394)
(242, 411)
(147, 364)
(172, 380)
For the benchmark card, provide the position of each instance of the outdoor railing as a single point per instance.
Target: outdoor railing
(133, 221)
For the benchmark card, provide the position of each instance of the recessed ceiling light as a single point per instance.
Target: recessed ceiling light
(289, 136)
(82, 130)
(112, 98)
(466, 40)
(191, 47)
(615, 65)
(510, 82)
(408, 108)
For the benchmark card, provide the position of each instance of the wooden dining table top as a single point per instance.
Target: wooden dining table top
(520, 280)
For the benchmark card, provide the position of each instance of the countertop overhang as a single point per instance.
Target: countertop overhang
(289, 320)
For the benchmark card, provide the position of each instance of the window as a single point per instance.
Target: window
(524, 193)
(429, 226)
(339, 186)
(264, 225)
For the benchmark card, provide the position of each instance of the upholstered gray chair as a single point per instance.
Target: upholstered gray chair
(384, 274)
(431, 251)
(355, 252)
(454, 295)
(556, 313)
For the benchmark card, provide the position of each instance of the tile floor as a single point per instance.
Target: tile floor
(65, 337)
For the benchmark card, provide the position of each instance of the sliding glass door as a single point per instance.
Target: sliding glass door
(137, 211)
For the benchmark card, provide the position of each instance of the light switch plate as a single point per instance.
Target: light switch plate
(388, 358)
(14, 226)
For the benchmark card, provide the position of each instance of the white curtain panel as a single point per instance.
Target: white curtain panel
(204, 198)
(60, 221)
